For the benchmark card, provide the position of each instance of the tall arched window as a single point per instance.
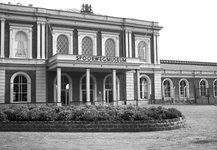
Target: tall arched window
(87, 46)
(21, 44)
(142, 51)
(62, 45)
(183, 88)
(143, 88)
(215, 88)
(20, 85)
(167, 88)
(110, 48)
(203, 87)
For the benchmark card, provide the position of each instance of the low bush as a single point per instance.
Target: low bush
(88, 113)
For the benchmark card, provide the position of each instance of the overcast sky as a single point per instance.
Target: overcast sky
(189, 26)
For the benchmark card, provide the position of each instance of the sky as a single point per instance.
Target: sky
(189, 26)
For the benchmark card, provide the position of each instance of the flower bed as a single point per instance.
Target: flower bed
(90, 118)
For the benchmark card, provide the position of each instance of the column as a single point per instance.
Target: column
(43, 41)
(2, 37)
(38, 40)
(88, 85)
(126, 41)
(149, 53)
(114, 88)
(158, 51)
(138, 85)
(130, 44)
(155, 51)
(59, 87)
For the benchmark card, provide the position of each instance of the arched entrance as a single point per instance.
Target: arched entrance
(108, 89)
(66, 89)
(83, 96)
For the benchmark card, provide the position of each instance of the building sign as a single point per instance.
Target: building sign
(101, 59)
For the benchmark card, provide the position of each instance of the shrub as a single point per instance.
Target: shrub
(10, 114)
(22, 115)
(64, 115)
(3, 117)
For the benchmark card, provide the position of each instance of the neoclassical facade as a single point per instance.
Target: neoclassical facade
(61, 57)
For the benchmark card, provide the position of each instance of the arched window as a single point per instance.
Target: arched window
(143, 88)
(20, 40)
(20, 85)
(215, 88)
(183, 88)
(87, 46)
(62, 45)
(108, 88)
(167, 88)
(21, 44)
(110, 48)
(142, 51)
(203, 87)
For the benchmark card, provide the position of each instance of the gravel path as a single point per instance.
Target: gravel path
(200, 133)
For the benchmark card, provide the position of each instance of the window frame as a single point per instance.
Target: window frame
(14, 29)
(62, 31)
(147, 40)
(114, 37)
(206, 86)
(187, 88)
(171, 88)
(87, 33)
(215, 88)
(149, 86)
(28, 86)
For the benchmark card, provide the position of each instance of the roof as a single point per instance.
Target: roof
(188, 65)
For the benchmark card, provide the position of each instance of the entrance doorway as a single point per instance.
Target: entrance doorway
(108, 89)
(108, 95)
(83, 92)
(66, 89)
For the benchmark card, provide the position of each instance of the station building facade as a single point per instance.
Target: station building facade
(59, 57)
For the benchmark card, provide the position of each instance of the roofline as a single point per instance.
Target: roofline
(181, 62)
(44, 12)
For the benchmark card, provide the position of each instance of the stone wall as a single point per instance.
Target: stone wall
(91, 126)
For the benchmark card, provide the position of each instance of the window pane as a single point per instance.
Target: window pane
(62, 45)
(20, 89)
(110, 48)
(141, 51)
(87, 46)
(21, 43)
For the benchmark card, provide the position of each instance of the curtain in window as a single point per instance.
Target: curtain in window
(203, 91)
(21, 44)
(183, 89)
(167, 89)
(141, 51)
(143, 88)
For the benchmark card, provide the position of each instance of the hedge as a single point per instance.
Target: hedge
(88, 113)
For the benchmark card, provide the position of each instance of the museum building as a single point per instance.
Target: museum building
(62, 57)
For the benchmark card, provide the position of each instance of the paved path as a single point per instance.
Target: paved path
(200, 133)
